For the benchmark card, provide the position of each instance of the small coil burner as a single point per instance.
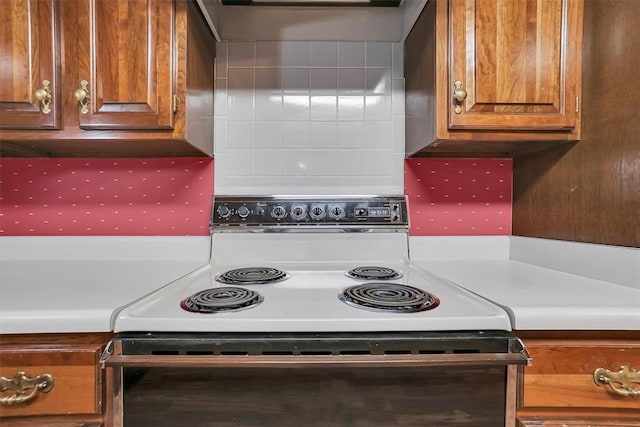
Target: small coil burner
(221, 299)
(252, 276)
(373, 273)
(389, 297)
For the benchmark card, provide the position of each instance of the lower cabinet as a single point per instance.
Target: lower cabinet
(51, 380)
(587, 379)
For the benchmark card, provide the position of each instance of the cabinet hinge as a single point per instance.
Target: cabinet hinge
(176, 103)
(577, 104)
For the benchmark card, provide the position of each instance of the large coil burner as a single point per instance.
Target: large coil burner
(221, 299)
(373, 273)
(252, 276)
(388, 297)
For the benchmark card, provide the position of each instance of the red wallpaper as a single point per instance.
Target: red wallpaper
(172, 196)
(459, 196)
(133, 197)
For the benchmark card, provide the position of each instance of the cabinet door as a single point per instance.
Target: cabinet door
(517, 60)
(126, 61)
(29, 46)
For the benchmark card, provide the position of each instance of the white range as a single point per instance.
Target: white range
(305, 247)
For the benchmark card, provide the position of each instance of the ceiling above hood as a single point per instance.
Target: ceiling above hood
(333, 3)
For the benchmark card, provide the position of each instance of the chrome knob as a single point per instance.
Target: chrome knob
(336, 212)
(243, 211)
(317, 212)
(223, 212)
(278, 212)
(298, 212)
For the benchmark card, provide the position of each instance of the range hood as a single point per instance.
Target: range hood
(350, 3)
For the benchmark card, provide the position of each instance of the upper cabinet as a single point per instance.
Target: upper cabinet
(125, 58)
(106, 78)
(493, 76)
(30, 72)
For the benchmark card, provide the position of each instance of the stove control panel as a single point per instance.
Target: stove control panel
(322, 212)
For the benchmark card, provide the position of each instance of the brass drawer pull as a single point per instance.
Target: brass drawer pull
(82, 96)
(459, 95)
(44, 96)
(20, 383)
(620, 382)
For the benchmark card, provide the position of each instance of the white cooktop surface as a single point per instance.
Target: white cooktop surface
(308, 300)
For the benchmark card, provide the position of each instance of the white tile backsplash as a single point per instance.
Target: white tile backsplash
(241, 54)
(268, 54)
(378, 54)
(351, 54)
(309, 117)
(324, 108)
(324, 54)
(296, 107)
(323, 81)
(268, 135)
(351, 80)
(296, 54)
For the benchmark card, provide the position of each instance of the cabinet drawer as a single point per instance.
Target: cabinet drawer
(74, 370)
(562, 374)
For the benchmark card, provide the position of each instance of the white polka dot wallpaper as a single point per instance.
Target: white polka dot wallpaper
(459, 196)
(105, 196)
(172, 196)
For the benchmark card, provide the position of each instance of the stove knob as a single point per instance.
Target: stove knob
(223, 212)
(298, 212)
(336, 212)
(278, 212)
(243, 211)
(317, 212)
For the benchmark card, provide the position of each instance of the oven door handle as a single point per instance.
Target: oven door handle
(300, 361)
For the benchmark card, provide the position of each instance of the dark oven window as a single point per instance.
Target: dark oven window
(322, 397)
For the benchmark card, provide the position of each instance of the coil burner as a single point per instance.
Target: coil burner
(388, 297)
(373, 273)
(221, 299)
(252, 276)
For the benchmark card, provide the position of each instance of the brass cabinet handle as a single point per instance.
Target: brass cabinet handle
(459, 95)
(20, 383)
(82, 96)
(619, 382)
(43, 95)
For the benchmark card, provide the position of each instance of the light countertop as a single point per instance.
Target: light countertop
(536, 296)
(75, 284)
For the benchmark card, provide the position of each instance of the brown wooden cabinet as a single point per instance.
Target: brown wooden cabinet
(30, 52)
(559, 388)
(65, 372)
(137, 78)
(492, 76)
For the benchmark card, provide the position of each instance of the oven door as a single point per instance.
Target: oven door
(392, 387)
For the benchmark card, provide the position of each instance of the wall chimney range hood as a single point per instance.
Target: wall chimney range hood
(333, 3)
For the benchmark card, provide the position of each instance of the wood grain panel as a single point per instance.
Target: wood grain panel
(29, 43)
(54, 421)
(519, 62)
(74, 390)
(72, 361)
(562, 373)
(514, 57)
(131, 112)
(129, 64)
(195, 118)
(582, 421)
(589, 192)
